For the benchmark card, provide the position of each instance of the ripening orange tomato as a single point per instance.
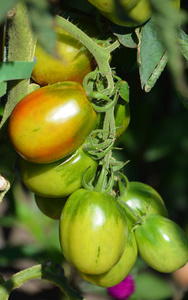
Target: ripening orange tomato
(51, 122)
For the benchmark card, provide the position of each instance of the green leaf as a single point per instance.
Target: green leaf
(16, 70)
(42, 23)
(168, 20)
(126, 36)
(183, 44)
(152, 287)
(5, 6)
(123, 90)
(122, 87)
(150, 52)
(156, 73)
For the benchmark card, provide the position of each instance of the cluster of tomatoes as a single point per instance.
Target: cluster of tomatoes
(100, 235)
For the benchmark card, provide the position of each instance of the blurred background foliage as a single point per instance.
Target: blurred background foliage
(156, 143)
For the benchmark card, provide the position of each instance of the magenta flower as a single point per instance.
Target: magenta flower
(122, 290)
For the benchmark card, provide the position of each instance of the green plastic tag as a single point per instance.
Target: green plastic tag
(16, 70)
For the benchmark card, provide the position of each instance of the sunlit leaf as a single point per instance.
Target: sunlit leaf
(156, 73)
(150, 53)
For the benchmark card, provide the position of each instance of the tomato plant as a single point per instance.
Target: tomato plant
(64, 136)
(90, 223)
(60, 178)
(118, 272)
(51, 122)
(162, 244)
(143, 199)
(71, 63)
(51, 207)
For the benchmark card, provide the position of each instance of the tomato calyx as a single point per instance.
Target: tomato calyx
(101, 182)
(138, 218)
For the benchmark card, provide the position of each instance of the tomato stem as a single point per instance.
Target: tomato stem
(101, 54)
(105, 91)
(108, 127)
(104, 184)
(46, 271)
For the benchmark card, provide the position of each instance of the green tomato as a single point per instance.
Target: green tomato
(117, 273)
(72, 62)
(143, 199)
(51, 122)
(122, 117)
(51, 207)
(93, 231)
(58, 179)
(128, 13)
(125, 12)
(162, 244)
